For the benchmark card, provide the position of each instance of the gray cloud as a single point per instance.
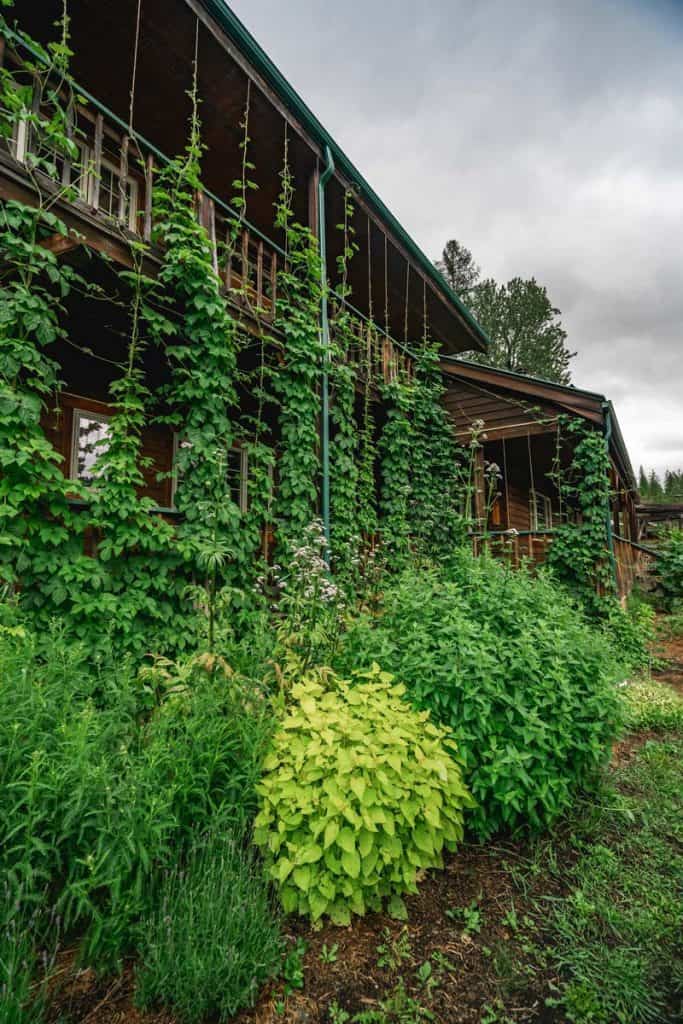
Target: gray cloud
(545, 135)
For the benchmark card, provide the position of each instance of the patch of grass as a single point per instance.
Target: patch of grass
(652, 705)
(616, 938)
(214, 938)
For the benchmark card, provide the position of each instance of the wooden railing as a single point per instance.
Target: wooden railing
(112, 178)
(514, 546)
(375, 356)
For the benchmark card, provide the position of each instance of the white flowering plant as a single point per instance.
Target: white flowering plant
(311, 605)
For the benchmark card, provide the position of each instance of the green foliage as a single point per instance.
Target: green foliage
(106, 775)
(437, 475)
(344, 444)
(524, 328)
(668, 490)
(395, 451)
(652, 705)
(616, 935)
(359, 793)
(504, 661)
(458, 267)
(630, 632)
(670, 569)
(579, 554)
(213, 938)
(297, 381)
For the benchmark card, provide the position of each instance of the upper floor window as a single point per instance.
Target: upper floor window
(89, 441)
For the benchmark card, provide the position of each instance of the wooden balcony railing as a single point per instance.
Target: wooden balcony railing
(514, 546)
(111, 176)
(375, 356)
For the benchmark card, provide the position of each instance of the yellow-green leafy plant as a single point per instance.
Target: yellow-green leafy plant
(360, 792)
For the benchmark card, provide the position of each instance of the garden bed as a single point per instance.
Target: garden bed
(504, 933)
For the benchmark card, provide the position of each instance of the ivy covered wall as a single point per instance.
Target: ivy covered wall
(99, 555)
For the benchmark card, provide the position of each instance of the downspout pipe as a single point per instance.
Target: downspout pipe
(325, 340)
(607, 412)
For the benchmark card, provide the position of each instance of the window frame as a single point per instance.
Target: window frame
(76, 413)
(537, 498)
(243, 503)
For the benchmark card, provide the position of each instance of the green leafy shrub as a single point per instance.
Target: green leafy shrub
(213, 937)
(359, 793)
(670, 569)
(652, 705)
(630, 632)
(522, 681)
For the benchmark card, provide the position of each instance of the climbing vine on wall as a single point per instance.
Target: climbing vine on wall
(296, 383)
(395, 451)
(579, 554)
(151, 575)
(436, 519)
(344, 449)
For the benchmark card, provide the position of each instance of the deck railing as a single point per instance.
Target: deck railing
(514, 546)
(113, 178)
(110, 174)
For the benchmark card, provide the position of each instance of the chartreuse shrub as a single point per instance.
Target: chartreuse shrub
(359, 793)
(213, 936)
(516, 674)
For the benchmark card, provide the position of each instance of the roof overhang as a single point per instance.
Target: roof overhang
(590, 405)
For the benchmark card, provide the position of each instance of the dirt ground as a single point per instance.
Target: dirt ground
(472, 970)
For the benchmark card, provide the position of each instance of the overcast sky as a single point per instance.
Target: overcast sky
(547, 135)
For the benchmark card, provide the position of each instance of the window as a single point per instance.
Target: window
(89, 441)
(541, 508)
(237, 473)
(109, 196)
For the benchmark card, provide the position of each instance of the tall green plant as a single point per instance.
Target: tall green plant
(579, 554)
(298, 380)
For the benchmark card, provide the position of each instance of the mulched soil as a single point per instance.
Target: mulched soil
(354, 980)
(465, 988)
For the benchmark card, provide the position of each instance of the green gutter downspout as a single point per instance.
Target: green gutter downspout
(608, 517)
(325, 339)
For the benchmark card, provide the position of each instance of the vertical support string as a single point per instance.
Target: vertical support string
(386, 286)
(505, 479)
(405, 321)
(135, 68)
(532, 504)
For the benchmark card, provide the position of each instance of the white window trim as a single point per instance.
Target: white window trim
(77, 414)
(244, 474)
(90, 178)
(536, 498)
(87, 178)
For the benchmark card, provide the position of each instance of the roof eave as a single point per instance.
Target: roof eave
(262, 63)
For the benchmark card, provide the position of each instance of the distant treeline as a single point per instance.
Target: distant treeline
(664, 490)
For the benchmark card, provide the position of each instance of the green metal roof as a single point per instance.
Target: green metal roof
(262, 63)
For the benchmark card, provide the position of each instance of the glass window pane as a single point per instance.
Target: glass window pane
(91, 442)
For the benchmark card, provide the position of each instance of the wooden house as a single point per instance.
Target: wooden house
(518, 421)
(133, 66)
